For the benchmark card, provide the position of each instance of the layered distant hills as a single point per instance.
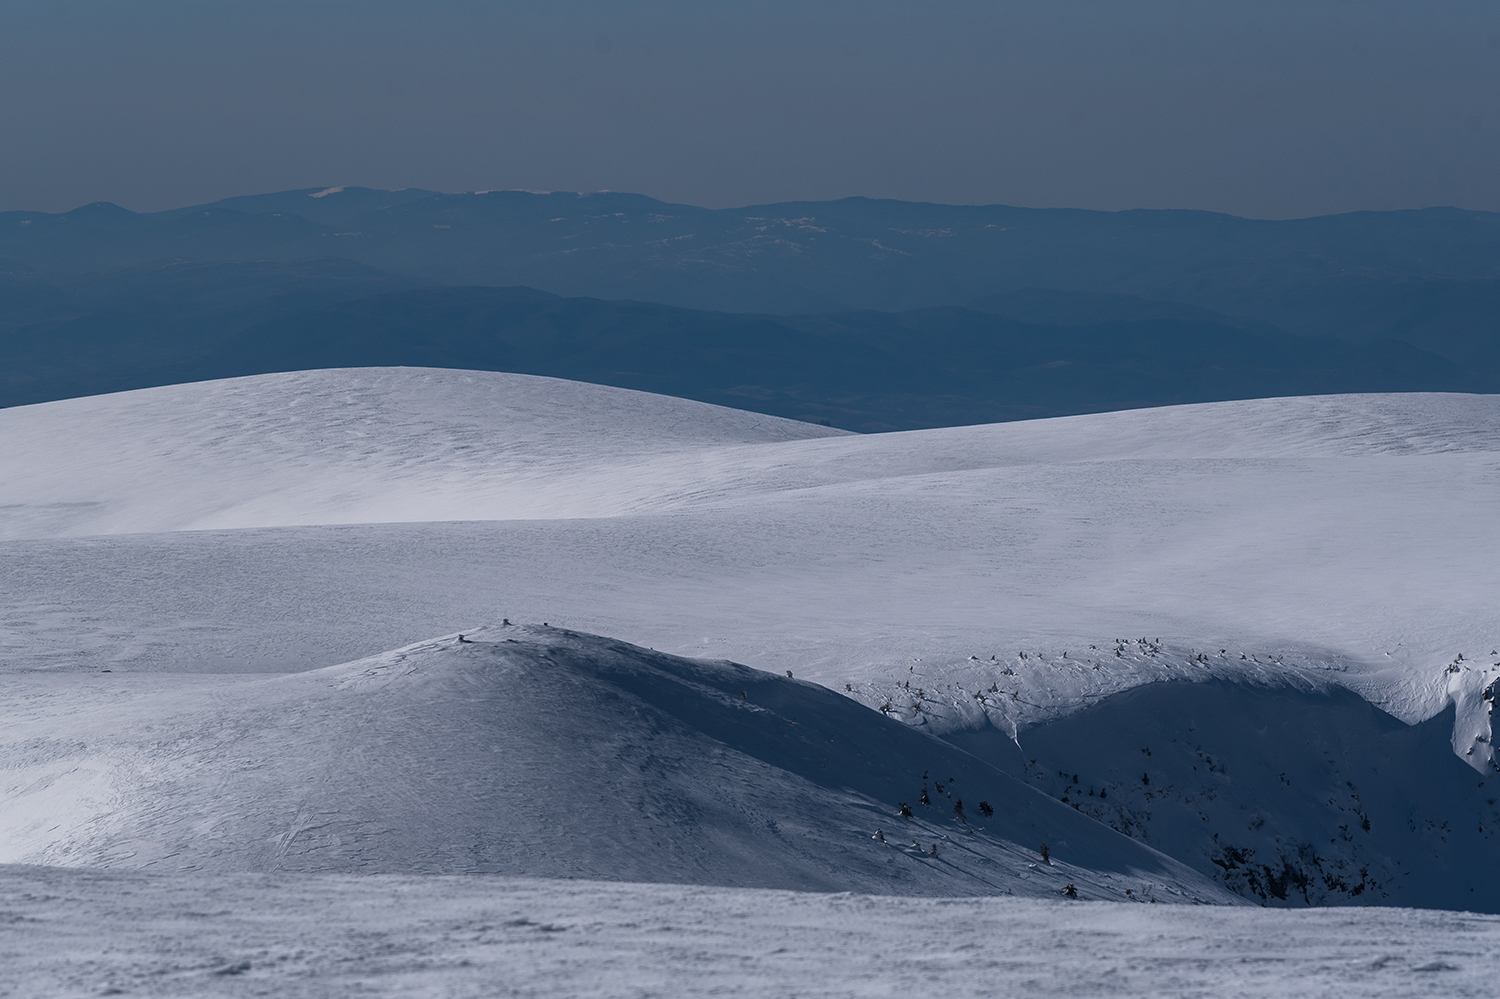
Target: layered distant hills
(869, 315)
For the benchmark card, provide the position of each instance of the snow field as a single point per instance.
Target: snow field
(974, 583)
(76, 933)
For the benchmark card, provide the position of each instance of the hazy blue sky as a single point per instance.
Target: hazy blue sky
(1258, 108)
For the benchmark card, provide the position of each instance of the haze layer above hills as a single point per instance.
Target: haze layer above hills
(1000, 313)
(866, 371)
(795, 257)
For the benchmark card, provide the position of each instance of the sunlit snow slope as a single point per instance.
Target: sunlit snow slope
(341, 447)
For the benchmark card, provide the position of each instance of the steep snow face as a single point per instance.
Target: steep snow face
(529, 750)
(1287, 795)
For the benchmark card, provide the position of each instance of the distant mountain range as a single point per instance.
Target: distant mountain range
(866, 314)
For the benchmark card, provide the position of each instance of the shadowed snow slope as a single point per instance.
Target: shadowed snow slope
(1287, 795)
(543, 752)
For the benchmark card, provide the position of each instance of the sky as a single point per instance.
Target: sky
(1270, 109)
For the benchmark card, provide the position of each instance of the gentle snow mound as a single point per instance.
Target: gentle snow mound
(357, 445)
(382, 445)
(1349, 538)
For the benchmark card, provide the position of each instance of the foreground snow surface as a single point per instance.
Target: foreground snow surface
(73, 933)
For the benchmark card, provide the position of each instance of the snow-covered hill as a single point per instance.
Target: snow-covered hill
(1288, 795)
(961, 580)
(529, 750)
(383, 445)
(355, 446)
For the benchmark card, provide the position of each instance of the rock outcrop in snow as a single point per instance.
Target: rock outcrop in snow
(364, 445)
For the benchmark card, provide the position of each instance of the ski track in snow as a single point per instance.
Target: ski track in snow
(66, 933)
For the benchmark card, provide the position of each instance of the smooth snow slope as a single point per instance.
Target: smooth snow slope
(382, 445)
(530, 750)
(351, 446)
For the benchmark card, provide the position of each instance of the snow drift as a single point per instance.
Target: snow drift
(71, 933)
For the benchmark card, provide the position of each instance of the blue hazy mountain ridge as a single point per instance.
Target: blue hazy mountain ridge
(855, 253)
(64, 336)
(867, 371)
(868, 314)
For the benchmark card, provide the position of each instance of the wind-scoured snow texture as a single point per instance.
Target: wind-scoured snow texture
(377, 445)
(83, 933)
(541, 752)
